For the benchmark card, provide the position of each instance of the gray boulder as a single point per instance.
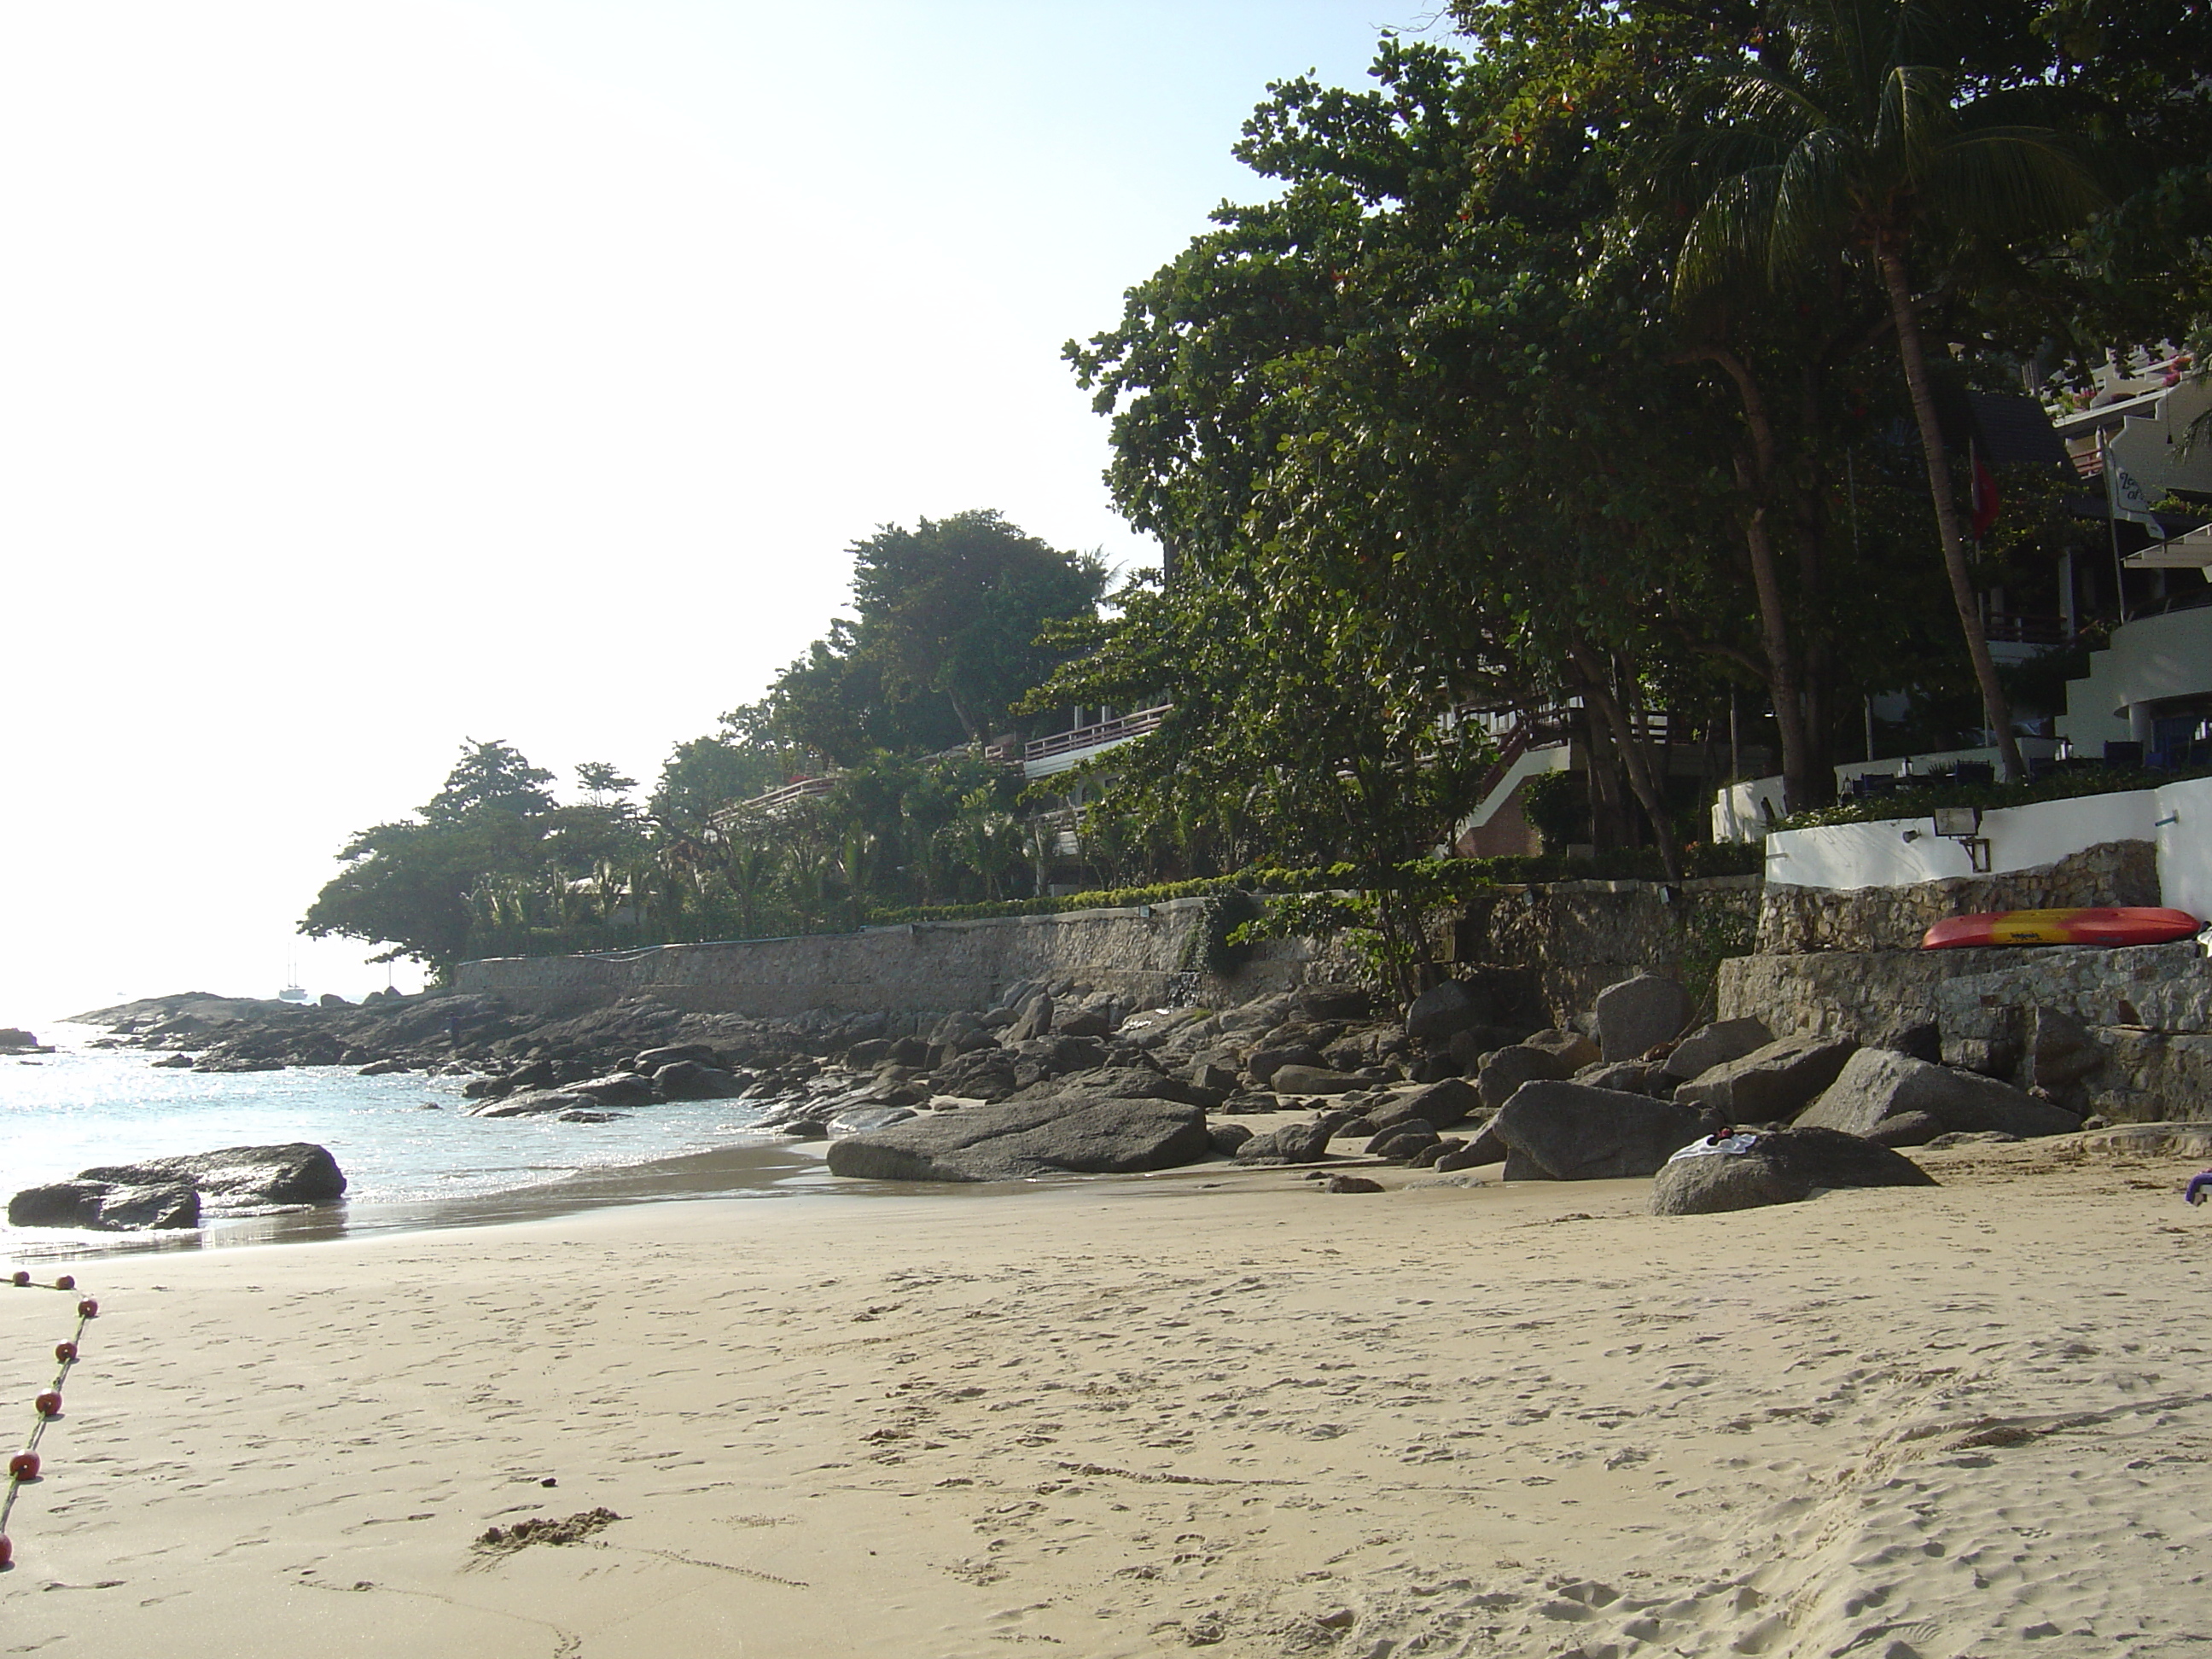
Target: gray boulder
(1715, 1045)
(1294, 1143)
(1509, 1068)
(652, 1059)
(1400, 1141)
(689, 1079)
(1433, 1017)
(1325, 1001)
(1084, 1022)
(2060, 1052)
(1771, 1084)
(1035, 1020)
(295, 1172)
(859, 1119)
(616, 1089)
(107, 1206)
(1637, 1013)
(1316, 1080)
(1573, 1049)
(532, 1102)
(1906, 1129)
(1570, 1132)
(1076, 1132)
(1264, 1062)
(1877, 1084)
(1441, 1104)
(1227, 1137)
(1632, 1077)
(1921, 1038)
(1782, 1167)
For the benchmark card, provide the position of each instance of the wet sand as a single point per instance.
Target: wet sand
(1216, 1408)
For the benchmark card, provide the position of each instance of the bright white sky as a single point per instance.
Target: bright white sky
(377, 375)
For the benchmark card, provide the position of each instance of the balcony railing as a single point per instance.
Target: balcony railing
(2024, 630)
(773, 801)
(1133, 724)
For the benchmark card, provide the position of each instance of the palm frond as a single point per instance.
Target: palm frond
(2012, 182)
(1915, 121)
(1812, 199)
(1728, 235)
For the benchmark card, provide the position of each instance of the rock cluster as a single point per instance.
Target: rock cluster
(1060, 1078)
(172, 1192)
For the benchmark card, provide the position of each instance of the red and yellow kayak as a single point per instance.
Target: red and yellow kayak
(2124, 925)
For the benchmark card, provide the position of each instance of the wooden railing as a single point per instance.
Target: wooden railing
(1133, 724)
(798, 790)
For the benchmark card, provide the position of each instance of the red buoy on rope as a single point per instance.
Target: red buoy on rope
(6, 1553)
(19, 1276)
(66, 1352)
(87, 1308)
(49, 1403)
(23, 1466)
(66, 1282)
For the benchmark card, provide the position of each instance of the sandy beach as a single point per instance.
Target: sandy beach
(1217, 1408)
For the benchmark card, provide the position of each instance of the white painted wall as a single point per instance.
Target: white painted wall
(2184, 823)
(2151, 658)
(1844, 857)
(1737, 814)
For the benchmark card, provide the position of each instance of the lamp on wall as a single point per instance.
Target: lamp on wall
(1964, 825)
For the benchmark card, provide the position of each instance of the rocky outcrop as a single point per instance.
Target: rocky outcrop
(1118, 1124)
(295, 1172)
(172, 1192)
(1716, 1045)
(1771, 1084)
(106, 1207)
(1506, 1070)
(1878, 1084)
(1639, 1013)
(1784, 1167)
(1570, 1132)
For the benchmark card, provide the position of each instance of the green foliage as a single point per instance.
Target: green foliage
(1221, 943)
(492, 855)
(1712, 934)
(951, 626)
(1558, 808)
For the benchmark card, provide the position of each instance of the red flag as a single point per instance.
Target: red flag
(1986, 501)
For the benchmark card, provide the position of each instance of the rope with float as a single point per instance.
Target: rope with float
(23, 1466)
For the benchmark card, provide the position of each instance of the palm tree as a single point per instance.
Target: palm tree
(1842, 143)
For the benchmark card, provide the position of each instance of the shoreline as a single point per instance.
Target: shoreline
(1135, 1415)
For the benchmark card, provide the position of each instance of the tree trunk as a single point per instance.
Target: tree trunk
(1994, 707)
(1801, 787)
(1647, 792)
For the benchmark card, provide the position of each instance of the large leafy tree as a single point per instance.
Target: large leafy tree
(946, 636)
(1852, 134)
(493, 847)
(1412, 383)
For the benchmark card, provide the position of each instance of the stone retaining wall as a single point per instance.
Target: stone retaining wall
(2148, 1009)
(1794, 919)
(1569, 941)
(924, 968)
(1576, 938)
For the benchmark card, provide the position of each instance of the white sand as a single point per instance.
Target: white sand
(1213, 1408)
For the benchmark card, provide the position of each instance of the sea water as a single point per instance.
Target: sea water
(410, 1155)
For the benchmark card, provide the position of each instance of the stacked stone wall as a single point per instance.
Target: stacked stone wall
(1796, 919)
(1141, 954)
(1575, 937)
(2146, 1010)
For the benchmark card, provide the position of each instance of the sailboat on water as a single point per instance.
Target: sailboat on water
(293, 991)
